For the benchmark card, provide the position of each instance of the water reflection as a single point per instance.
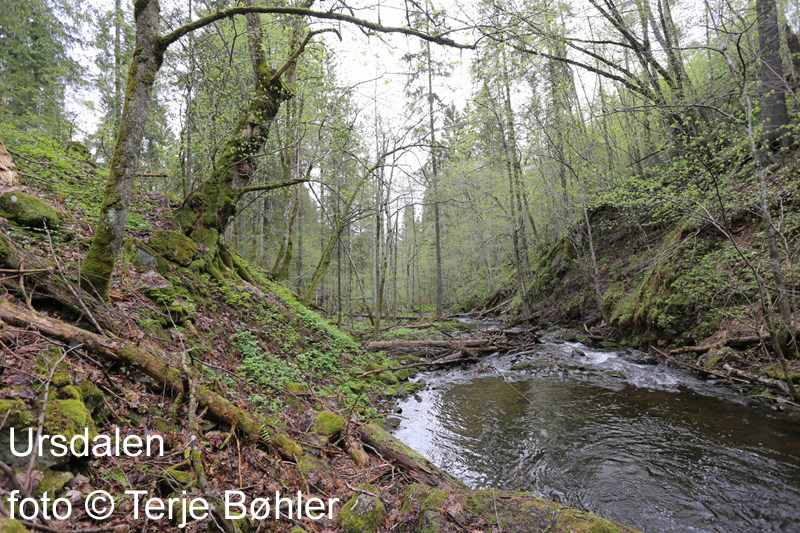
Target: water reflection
(656, 459)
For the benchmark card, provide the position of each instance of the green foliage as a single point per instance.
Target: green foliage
(264, 368)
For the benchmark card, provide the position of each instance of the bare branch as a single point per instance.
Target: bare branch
(176, 34)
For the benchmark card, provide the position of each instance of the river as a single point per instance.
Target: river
(647, 446)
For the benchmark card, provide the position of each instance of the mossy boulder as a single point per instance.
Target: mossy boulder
(174, 246)
(363, 512)
(67, 417)
(61, 379)
(29, 211)
(427, 502)
(70, 392)
(328, 424)
(92, 396)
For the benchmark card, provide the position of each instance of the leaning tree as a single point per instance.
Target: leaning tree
(205, 214)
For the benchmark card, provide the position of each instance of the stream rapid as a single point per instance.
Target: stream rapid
(647, 446)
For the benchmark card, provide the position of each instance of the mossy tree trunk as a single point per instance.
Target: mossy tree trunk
(216, 194)
(207, 211)
(110, 227)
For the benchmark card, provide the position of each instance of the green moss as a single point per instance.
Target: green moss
(92, 396)
(174, 246)
(12, 526)
(53, 482)
(29, 211)
(16, 413)
(296, 388)
(601, 525)
(61, 379)
(362, 513)
(70, 392)
(184, 477)
(328, 424)
(311, 465)
(68, 418)
(288, 445)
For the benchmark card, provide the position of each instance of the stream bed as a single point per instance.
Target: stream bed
(644, 445)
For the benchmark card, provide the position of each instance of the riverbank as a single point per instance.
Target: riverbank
(645, 444)
(248, 388)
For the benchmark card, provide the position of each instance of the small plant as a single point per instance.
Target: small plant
(263, 368)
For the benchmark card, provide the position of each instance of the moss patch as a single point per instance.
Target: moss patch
(362, 513)
(328, 424)
(12, 526)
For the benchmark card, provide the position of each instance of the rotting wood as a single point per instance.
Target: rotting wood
(734, 342)
(756, 379)
(417, 466)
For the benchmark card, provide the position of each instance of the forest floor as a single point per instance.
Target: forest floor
(249, 389)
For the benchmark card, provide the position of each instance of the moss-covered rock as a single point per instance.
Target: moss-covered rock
(29, 211)
(174, 246)
(92, 396)
(61, 379)
(328, 424)
(364, 512)
(311, 466)
(67, 417)
(427, 502)
(70, 392)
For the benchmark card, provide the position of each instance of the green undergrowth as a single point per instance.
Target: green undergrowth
(66, 173)
(675, 282)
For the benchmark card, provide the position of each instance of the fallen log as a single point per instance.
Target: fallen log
(417, 466)
(452, 359)
(456, 344)
(146, 357)
(756, 379)
(734, 342)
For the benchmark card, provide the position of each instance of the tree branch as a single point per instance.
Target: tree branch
(270, 186)
(176, 34)
(302, 48)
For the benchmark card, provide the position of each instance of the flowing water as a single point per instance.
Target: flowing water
(647, 446)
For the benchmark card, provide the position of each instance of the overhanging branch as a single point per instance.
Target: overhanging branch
(176, 34)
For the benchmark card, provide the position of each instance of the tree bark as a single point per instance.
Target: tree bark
(773, 85)
(110, 228)
(206, 213)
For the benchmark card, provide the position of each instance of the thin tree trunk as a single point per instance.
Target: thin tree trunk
(109, 230)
